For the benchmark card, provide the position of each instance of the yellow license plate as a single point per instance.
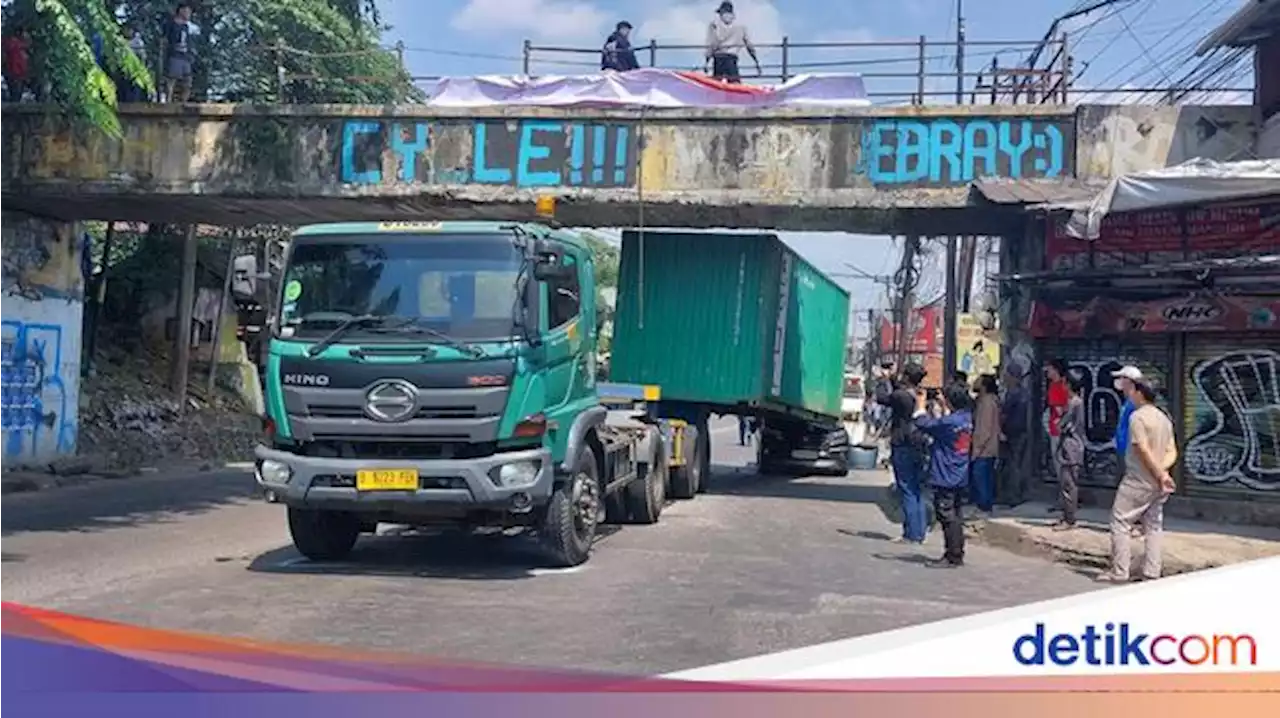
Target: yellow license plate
(387, 480)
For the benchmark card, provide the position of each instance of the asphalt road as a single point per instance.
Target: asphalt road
(756, 565)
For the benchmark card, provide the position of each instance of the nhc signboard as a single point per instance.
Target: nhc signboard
(926, 326)
(1110, 317)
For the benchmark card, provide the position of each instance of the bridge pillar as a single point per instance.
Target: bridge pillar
(45, 274)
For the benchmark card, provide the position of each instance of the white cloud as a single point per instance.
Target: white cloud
(575, 22)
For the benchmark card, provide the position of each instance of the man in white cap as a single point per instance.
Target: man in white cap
(1147, 484)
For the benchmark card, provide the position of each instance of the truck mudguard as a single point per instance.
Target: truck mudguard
(582, 423)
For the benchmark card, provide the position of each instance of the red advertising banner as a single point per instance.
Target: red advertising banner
(1109, 317)
(1130, 238)
(926, 325)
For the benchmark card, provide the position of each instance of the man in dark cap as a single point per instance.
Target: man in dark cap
(725, 39)
(618, 55)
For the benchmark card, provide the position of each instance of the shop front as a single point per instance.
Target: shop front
(1191, 296)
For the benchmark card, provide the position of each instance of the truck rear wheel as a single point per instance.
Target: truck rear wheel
(685, 480)
(568, 527)
(648, 492)
(323, 535)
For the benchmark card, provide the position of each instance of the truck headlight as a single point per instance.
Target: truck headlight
(518, 474)
(274, 472)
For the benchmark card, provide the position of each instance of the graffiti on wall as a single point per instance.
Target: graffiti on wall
(366, 142)
(1236, 431)
(947, 151)
(1102, 405)
(35, 396)
(554, 153)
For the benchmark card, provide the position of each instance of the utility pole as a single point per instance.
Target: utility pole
(950, 308)
(959, 52)
(903, 307)
(184, 310)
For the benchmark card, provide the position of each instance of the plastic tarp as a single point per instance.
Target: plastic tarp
(648, 87)
(1198, 181)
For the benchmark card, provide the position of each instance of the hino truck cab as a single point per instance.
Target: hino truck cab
(420, 373)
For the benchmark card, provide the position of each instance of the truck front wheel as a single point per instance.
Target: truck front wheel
(323, 535)
(569, 525)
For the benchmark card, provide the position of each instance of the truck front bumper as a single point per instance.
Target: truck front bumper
(460, 485)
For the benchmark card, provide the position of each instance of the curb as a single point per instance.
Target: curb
(1020, 540)
(29, 482)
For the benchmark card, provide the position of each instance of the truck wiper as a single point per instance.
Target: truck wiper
(346, 325)
(398, 325)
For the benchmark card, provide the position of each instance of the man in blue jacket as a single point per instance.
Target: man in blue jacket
(1124, 380)
(952, 433)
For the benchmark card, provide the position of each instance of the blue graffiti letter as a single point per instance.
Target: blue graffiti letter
(984, 149)
(1051, 164)
(525, 177)
(874, 150)
(944, 144)
(408, 151)
(1017, 150)
(483, 173)
(913, 141)
(349, 133)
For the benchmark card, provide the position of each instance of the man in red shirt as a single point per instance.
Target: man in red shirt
(17, 63)
(1055, 399)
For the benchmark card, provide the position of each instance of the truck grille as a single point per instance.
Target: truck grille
(397, 448)
(425, 412)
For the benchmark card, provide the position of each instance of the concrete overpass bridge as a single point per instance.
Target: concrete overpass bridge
(875, 170)
(872, 170)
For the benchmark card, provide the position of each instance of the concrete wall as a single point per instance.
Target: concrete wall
(1116, 140)
(43, 309)
(897, 170)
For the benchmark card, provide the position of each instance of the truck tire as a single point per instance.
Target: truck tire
(704, 456)
(323, 535)
(568, 525)
(686, 479)
(646, 495)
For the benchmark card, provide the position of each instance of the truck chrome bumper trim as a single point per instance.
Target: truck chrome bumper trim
(480, 491)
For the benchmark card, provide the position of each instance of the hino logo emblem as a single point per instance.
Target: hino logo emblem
(305, 379)
(393, 400)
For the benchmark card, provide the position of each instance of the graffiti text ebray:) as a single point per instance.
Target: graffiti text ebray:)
(955, 151)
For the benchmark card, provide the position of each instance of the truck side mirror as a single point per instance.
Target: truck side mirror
(549, 264)
(244, 279)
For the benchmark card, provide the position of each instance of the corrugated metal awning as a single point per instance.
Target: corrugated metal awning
(1257, 20)
(1037, 192)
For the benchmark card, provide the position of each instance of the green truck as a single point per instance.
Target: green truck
(425, 373)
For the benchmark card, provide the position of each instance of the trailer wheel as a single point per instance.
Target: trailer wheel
(686, 479)
(648, 492)
(323, 535)
(568, 525)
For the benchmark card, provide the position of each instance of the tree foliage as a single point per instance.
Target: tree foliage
(329, 51)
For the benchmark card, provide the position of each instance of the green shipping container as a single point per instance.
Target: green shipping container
(729, 319)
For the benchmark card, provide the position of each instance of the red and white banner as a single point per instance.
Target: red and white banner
(1110, 317)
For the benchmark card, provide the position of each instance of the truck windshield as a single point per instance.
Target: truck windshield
(460, 286)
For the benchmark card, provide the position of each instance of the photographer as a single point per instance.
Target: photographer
(906, 451)
(951, 431)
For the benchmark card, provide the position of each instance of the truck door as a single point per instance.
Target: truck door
(566, 363)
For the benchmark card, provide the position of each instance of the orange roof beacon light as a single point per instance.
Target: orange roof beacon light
(546, 206)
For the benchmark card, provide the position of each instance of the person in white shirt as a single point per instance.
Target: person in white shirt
(725, 39)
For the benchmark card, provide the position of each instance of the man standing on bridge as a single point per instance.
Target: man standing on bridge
(178, 33)
(724, 41)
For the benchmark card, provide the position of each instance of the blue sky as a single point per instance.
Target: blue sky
(1147, 43)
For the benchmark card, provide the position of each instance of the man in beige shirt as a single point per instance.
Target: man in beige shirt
(725, 39)
(1146, 485)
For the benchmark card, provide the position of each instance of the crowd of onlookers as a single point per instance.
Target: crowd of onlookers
(726, 40)
(22, 80)
(974, 447)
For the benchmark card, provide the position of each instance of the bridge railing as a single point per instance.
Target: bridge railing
(909, 71)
